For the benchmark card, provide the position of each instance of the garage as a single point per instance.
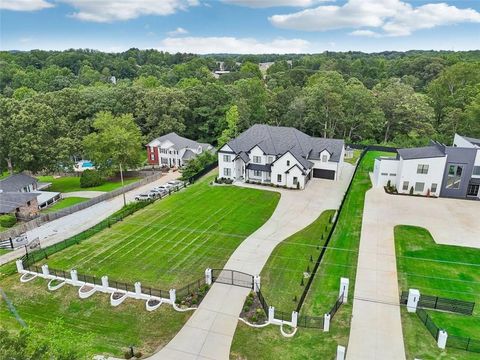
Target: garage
(324, 174)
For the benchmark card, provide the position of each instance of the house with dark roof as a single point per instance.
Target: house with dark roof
(282, 156)
(18, 183)
(173, 150)
(436, 169)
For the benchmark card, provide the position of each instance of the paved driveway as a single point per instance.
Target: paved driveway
(376, 331)
(209, 332)
(55, 231)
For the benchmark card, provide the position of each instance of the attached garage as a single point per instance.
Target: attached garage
(324, 174)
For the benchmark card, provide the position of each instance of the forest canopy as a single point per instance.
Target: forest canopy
(49, 99)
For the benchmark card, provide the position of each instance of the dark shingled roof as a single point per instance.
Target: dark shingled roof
(180, 142)
(16, 182)
(188, 154)
(259, 167)
(277, 140)
(9, 201)
(421, 152)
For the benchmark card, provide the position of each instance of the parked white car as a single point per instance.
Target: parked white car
(145, 196)
(159, 191)
(175, 182)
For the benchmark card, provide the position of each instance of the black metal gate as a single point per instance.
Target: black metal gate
(232, 277)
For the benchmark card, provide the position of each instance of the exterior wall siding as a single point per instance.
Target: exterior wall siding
(384, 170)
(408, 172)
(466, 158)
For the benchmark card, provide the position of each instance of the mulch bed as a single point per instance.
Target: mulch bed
(85, 289)
(153, 302)
(117, 295)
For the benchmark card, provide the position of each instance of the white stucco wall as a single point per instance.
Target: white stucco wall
(279, 168)
(385, 169)
(228, 163)
(408, 172)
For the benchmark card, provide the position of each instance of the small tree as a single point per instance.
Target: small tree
(231, 131)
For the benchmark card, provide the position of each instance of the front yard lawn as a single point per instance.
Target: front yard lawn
(64, 203)
(440, 270)
(72, 183)
(165, 245)
(268, 343)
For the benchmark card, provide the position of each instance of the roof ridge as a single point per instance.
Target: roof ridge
(271, 139)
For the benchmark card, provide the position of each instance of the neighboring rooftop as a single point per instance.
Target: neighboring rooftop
(10, 201)
(277, 140)
(16, 182)
(472, 140)
(179, 142)
(421, 152)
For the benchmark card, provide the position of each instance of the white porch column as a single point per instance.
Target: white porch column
(208, 276)
(271, 313)
(45, 270)
(413, 298)
(294, 319)
(173, 296)
(256, 283)
(19, 266)
(341, 352)
(344, 282)
(442, 339)
(326, 322)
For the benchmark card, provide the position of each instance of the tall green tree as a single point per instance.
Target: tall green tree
(232, 126)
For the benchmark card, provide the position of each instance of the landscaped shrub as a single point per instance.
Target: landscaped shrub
(91, 178)
(411, 190)
(138, 354)
(128, 354)
(7, 221)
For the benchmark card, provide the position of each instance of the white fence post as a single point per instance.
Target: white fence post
(294, 319)
(138, 289)
(344, 282)
(173, 296)
(208, 276)
(105, 282)
(271, 314)
(256, 283)
(74, 276)
(341, 352)
(326, 322)
(442, 339)
(45, 270)
(19, 266)
(413, 298)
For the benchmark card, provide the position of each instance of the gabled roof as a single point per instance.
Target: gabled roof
(179, 142)
(244, 156)
(188, 154)
(259, 167)
(9, 201)
(277, 140)
(296, 165)
(16, 182)
(472, 140)
(424, 152)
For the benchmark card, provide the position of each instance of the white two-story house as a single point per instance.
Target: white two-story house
(437, 169)
(174, 150)
(282, 156)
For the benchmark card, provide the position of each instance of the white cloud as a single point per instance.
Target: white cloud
(119, 10)
(177, 31)
(392, 17)
(24, 5)
(366, 33)
(208, 45)
(273, 3)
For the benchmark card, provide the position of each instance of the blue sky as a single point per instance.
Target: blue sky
(241, 26)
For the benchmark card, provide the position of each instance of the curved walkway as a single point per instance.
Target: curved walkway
(209, 332)
(376, 331)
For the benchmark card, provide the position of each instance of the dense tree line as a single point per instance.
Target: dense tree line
(49, 99)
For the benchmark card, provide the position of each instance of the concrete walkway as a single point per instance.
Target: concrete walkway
(58, 230)
(376, 331)
(209, 332)
(83, 194)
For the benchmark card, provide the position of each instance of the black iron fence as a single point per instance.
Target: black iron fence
(202, 172)
(439, 303)
(232, 277)
(336, 306)
(263, 302)
(190, 289)
(463, 343)
(428, 322)
(312, 322)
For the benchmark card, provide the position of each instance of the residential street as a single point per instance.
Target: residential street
(67, 226)
(376, 331)
(209, 332)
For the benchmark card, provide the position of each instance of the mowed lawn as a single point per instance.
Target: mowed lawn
(440, 270)
(283, 273)
(72, 183)
(64, 203)
(340, 260)
(171, 242)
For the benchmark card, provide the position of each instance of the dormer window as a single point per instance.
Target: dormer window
(324, 158)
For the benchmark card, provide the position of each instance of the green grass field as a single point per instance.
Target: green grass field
(64, 203)
(282, 274)
(167, 244)
(268, 343)
(72, 183)
(173, 241)
(439, 270)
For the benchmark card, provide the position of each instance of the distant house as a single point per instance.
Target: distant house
(173, 150)
(18, 190)
(281, 156)
(437, 169)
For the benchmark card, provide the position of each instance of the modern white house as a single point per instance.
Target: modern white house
(174, 150)
(282, 156)
(436, 170)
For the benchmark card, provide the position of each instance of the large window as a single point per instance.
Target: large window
(226, 158)
(422, 169)
(227, 172)
(476, 170)
(257, 173)
(419, 186)
(454, 176)
(257, 159)
(295, 180)
(434, 188)
(405, 186)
